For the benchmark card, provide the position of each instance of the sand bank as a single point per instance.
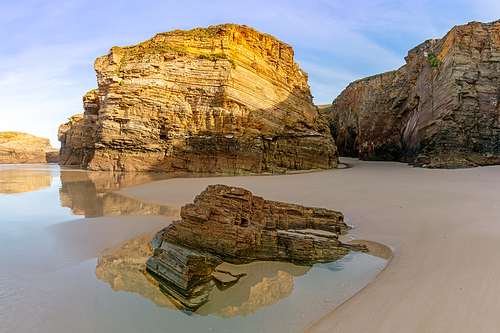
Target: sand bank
(443, 226)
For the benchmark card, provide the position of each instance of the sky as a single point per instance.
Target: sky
(48, 48)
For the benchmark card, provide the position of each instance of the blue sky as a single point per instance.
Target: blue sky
(48, 48)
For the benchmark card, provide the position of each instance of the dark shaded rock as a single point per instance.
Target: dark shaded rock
(52, 156)
(183, 274)
(184, 267)
(438, 110)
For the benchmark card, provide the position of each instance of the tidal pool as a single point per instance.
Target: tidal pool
(72, 250)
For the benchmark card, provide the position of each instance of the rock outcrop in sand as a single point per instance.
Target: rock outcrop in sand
(230, 224)
(221, 99)
(440, 109)
(17, 147)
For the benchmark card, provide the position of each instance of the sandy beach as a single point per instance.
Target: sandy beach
(443, 226)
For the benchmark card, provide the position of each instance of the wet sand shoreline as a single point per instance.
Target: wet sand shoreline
(443, 226)
(75, 245)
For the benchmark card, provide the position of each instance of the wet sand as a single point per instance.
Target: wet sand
(443, 226)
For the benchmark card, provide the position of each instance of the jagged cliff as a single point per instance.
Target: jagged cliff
(440, 109)
(221, 99)
(17, 147)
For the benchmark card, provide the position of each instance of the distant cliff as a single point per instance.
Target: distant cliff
(17, 147)
(221, 99)
(440, 109)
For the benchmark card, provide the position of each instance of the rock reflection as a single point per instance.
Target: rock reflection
(20, 180)
(122, 269)
(263, 283)
(91, 194)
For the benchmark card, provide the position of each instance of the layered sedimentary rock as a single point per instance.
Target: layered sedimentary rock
(231, 224)
(183, 274)
(264, 284)
(17, 147)
(220, 99)
(440, 109)
(239, 227)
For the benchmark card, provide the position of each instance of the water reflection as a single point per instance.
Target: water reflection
(49, 282)
(262, 285)
(122, 269)
(91, 194)
(85, 192)
(20, 180)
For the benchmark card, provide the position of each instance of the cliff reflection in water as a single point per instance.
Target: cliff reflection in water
(20, 179)
(91, 194)
(122, 269)
(264, 284)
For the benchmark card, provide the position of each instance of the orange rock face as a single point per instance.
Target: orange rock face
(17, 147)
(220, 99)
(439, 110)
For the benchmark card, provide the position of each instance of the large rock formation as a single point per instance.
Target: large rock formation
(220, 99)
(439, 110)
(230, 224)
(17, 147)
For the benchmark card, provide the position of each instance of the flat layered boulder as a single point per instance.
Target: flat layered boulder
(230, 224)
(223, 99)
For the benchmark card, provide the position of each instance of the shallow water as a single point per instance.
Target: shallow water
(71, 251)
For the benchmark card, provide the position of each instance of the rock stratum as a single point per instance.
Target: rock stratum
(223, 99)
(438, 110)
(231, 224)
(20, 148)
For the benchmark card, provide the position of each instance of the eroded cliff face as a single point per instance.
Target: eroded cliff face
(439, 110)
(220, 99)
(19, 148)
